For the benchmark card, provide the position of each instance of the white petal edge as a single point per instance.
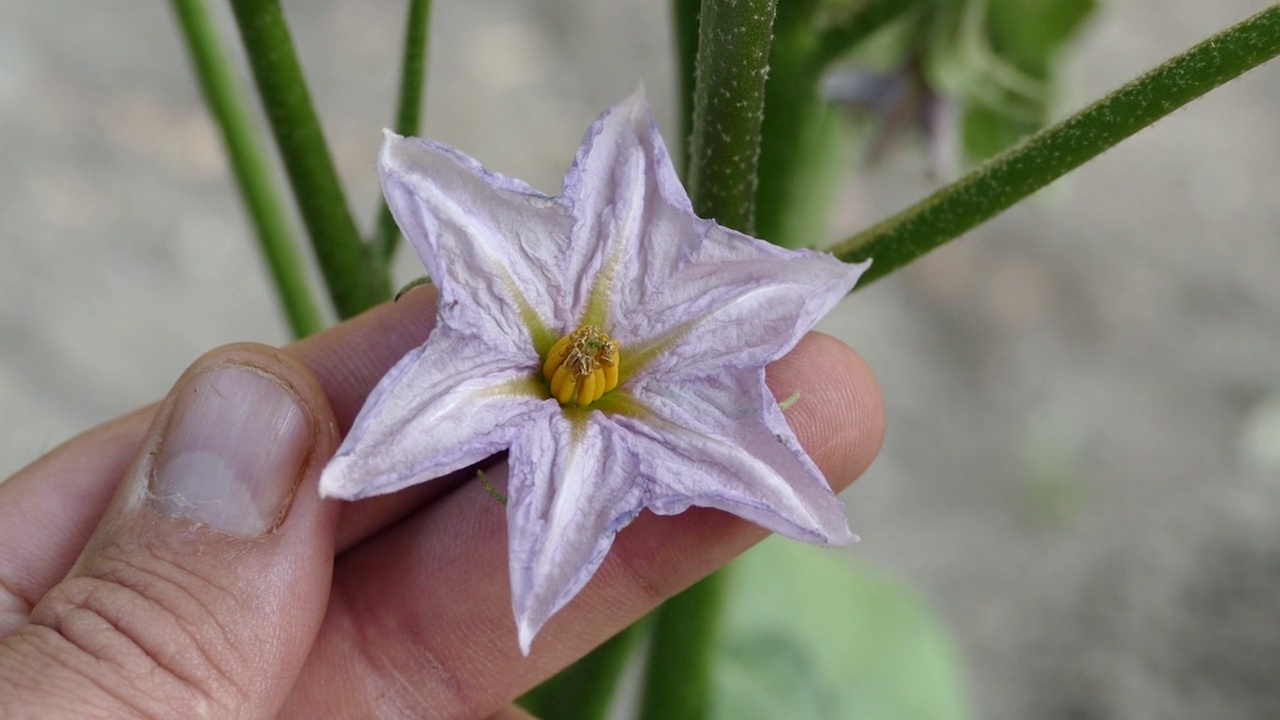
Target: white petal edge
(737, 302)
(444, 406)
(490, 243)
(621, 185)
(723, 443)
(571, 490)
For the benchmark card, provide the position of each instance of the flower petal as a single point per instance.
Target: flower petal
(573, 487)
(489, 242)
(722, 442)
(630, 212)
(736, 302)
(449, 404)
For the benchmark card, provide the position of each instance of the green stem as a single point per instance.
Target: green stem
(800, 154)
(1053, 152)
(724, 154)
(839, 38)
(413, 69)
(685, 16)
(585, 689)
(678, 675)
(724, 151)
(253, 177)
(356, 277)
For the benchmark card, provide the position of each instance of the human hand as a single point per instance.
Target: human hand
(187, 567)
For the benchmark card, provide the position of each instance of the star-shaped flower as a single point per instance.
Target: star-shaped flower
(614, 342)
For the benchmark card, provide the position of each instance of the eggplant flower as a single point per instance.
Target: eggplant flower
(608, 338)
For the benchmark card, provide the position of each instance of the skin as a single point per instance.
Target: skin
(397, 606)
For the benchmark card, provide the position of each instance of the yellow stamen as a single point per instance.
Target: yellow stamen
(598, 377)
(587, 390)
(563, 383)
(582, 366)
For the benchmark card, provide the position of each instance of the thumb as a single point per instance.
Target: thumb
(202, 589)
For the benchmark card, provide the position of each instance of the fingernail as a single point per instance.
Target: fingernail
(232, 452)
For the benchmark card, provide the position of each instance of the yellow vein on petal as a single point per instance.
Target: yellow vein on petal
(541, 335)
(622, 403)
(597, 310)
(521, 387)
(641, 355)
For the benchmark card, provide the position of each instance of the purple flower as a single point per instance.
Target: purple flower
(614, 342)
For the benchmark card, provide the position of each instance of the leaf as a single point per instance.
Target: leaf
(1029, 33)
(810, 635)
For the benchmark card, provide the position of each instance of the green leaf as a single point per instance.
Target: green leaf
(808, 634)
(986, 131)
(1030, 33)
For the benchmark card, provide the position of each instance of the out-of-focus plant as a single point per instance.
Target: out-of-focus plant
(765, 90)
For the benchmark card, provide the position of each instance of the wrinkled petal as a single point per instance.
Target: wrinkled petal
(737, 302)
(572, 488)
(489, 242)
(632, 217)
(449, 404)
(697, 309)
(722, 442)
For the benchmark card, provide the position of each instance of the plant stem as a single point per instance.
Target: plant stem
(800, 150)
(678, 676)
(584, 690)
(413, 69)
(724, 151)
(724, 154)
(1046, 156)
(253, 177)
(685, 18)
(356, 277)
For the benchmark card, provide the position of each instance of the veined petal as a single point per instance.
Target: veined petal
(632, 217)
(489, 242)
(573, 486)
(722, 442)
(697, 311)
(736, 302)
(449, 404)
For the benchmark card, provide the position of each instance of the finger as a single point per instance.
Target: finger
(49, 508)
(200, 593)
(421, 614)
(349, 359)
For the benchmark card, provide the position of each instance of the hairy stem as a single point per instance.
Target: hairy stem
(1055, 151)
(724, 151)
(356, 277)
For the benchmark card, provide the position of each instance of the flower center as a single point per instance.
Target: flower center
(582, 366)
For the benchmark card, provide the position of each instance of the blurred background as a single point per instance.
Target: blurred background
(1082, 468)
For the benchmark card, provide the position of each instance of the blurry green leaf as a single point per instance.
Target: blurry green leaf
(1026, 37)
(1029, 33)
(986, 132)
(808, 634)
